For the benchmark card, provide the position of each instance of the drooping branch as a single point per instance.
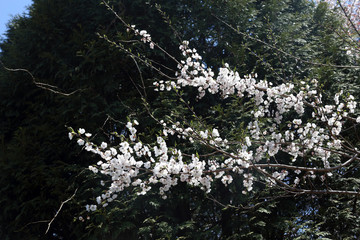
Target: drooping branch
(45, 86)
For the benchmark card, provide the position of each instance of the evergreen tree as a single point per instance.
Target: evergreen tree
(58, 44)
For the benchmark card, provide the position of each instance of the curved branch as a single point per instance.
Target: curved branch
(45, 86)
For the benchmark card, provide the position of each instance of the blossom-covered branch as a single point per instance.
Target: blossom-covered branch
(291, 121)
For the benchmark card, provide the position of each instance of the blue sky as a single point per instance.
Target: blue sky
(10, 8)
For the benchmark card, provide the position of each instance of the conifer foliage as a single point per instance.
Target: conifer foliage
(202, 119)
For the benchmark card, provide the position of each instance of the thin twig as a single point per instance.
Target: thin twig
(58, 211)
(44, 86)
(141, 78)
(348, 18)
(50, 221)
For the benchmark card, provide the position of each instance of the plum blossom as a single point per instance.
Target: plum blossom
(277, 127)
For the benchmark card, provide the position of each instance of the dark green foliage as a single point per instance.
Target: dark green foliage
(58, 44)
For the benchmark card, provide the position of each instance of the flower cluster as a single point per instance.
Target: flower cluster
(145, 36)
(278, 125)
(276, 102)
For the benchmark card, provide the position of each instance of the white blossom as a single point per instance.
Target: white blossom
(277, 127)
(80, 142)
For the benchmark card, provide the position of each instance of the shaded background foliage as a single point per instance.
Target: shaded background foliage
(58, 44)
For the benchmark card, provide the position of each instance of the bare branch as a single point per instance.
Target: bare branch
(348, 18)
(45, 86)
(50, 221)
(58, 211)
